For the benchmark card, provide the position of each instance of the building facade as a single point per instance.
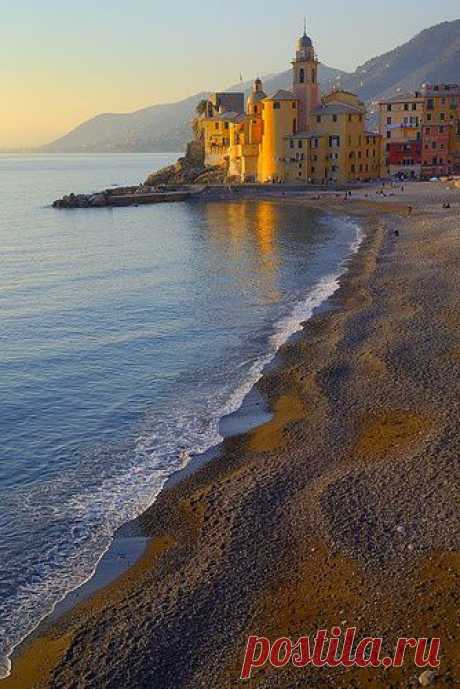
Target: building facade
(421, 132)
(291, 136)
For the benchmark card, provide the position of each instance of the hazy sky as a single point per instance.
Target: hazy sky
(62, 62)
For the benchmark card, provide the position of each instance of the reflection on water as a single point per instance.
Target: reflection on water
(126, 334)
(247, 231)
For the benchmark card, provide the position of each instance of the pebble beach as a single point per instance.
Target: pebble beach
(341, 510)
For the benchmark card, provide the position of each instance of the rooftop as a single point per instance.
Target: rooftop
(231, 116)
(402, 98)
(337, 108)
(282, 95)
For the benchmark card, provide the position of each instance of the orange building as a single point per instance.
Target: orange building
(292, 135)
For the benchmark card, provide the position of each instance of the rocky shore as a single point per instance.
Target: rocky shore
(340, 511)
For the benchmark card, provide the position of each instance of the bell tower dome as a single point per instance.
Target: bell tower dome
(305, 79)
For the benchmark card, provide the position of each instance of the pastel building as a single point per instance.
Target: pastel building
(441, 130)
(421, 132)
(400, 120)
(291, 136)
(336, 147)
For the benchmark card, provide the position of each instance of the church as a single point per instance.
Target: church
(290, 136)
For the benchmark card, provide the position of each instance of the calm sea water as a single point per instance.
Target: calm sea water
(125, 335)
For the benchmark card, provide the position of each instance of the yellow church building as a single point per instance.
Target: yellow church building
(291, 136)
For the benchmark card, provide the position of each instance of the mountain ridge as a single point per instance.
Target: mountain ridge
(432, 55)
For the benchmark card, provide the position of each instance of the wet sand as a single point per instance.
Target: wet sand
(342, 510)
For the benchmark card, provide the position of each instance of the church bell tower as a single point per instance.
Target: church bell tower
(305, 79)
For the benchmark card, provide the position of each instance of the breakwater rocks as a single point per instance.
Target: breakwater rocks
(127, 196)
(98, 200)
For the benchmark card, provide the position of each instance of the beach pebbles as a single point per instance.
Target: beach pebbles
(427, 678)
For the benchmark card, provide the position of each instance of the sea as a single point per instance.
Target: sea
(126, 335)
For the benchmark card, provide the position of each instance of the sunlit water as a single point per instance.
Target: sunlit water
(125, 335)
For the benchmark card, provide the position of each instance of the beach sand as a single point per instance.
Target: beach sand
(342, 510)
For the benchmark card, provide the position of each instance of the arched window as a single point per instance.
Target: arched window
(302, 76)
(313, 76)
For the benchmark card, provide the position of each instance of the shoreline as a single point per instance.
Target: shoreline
(129, 542)
(181, 528)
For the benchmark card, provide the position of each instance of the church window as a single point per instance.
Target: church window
(302, 76)
(313, 76)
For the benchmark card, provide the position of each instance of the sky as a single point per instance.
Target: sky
(63, 62)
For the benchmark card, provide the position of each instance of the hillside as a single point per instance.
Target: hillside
(157, 128)
(432, 55)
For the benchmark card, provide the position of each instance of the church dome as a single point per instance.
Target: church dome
(304, 42)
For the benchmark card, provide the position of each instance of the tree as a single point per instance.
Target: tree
(201, 107)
